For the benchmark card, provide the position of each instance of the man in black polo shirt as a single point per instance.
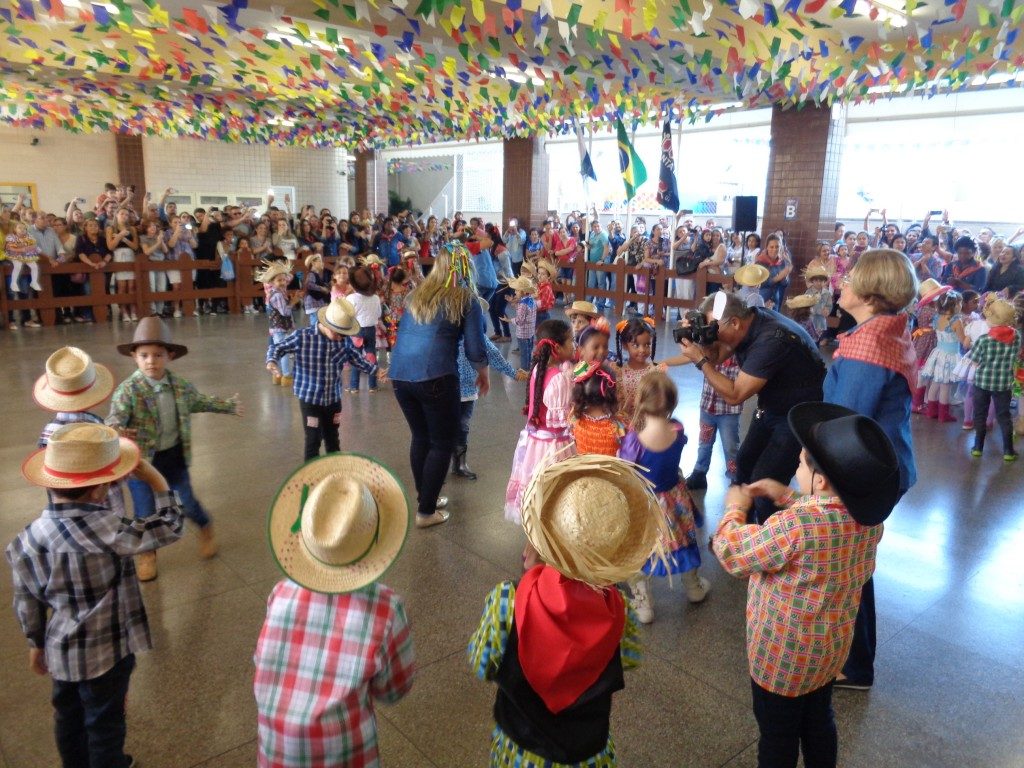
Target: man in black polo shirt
(780, 364)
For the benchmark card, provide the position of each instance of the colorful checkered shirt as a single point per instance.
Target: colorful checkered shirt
(996, 362)
(713, 403)
(318, 363)
(806, 565)
(76, 594)
(321, 661)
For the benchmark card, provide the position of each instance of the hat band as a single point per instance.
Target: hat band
(362, 556)
(77, 476)
(70, 391)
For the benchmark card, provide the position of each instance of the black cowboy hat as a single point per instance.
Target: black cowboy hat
(854, 453)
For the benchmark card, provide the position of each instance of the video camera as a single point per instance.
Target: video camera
(698, 330)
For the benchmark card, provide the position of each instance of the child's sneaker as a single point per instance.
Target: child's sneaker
(207, 543)
(968, 425)
(977, 449)
(696, 586)
(641, 600)
(1011, 456)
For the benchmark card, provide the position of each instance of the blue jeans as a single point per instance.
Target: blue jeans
(525, 353)
(594, 281)
(465, 419)
(285, 363)
(88, 718)
(170, 464)
(728, 426)
(499, 303)
(368, 334)
(791, 724)
(432, 410)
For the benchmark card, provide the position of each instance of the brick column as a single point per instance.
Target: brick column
(525, 181)
(371, 182)
(131, 169)
(806, 148)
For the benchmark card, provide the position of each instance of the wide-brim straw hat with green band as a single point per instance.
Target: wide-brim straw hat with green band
(593, 518)
(338, 523)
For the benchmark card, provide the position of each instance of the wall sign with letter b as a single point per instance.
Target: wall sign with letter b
(791, 206)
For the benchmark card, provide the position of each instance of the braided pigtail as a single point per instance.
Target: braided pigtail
(551, 334)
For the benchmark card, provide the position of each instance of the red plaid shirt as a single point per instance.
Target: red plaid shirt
(712, 402)
(321, 661)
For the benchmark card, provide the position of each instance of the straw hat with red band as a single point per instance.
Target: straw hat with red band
(81, 455)
(931, 289)
(72, 382)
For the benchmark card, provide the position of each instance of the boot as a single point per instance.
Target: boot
(642, 601)
(931, 409)
(696, 586)
(207, 543)
(145, 565)
(697, 481)
(287, 381)
(917, 401)
(459, 467)
(276, 378)
(944, 415)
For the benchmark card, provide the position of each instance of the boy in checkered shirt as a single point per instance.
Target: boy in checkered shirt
(806, 566)
(717, 417)
(996, 356)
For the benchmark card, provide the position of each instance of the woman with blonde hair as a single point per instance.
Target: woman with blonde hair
(439, 312)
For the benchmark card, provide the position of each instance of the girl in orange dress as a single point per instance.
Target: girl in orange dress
(594, 404)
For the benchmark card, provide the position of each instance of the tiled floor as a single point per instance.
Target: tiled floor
(950, 585)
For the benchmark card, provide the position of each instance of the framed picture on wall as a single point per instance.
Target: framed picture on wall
(11, 191)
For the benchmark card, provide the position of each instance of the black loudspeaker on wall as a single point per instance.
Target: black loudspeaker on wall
(744, 213)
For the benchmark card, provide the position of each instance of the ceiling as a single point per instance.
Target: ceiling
(376, 73)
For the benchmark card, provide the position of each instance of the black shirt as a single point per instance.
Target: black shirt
(777, 349)
(1012, 278)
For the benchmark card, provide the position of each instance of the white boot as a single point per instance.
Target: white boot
(642, 602)
(696, 586)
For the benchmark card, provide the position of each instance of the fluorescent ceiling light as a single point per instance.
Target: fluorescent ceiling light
(897, 17)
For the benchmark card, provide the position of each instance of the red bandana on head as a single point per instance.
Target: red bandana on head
(568, 632)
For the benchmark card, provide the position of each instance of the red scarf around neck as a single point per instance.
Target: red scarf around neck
(882, 340)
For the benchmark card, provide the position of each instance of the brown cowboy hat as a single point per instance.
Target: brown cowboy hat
(153, 330)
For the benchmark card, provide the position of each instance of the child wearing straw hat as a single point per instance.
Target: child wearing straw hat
(335, 640)
(156, 406)
(800, 310)
(276, 276)
(76, 592)
(71, 385)
(526, 317)
(749, 279)
(321, 351)
(581, 314)
(806, 567)
(817, 278)
(557, 642)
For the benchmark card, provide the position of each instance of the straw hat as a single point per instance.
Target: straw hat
(339, 316)
(338, 523)
(999, 312)
(547, 266)
(528, 269)
(931, 289)
(371, 259)
(272, 269)
(522, 284)
(801, 302)
(153, 330)
(583, 308)
(311, 258)
(80, 455)
(816, 271)
(750, 275)
(72, 382)
(593, 519)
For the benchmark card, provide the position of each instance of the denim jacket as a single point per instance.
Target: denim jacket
(426, 351)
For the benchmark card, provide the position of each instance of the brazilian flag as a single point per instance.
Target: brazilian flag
(633, 172)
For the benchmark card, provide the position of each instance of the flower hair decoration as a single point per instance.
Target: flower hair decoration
(459, 273)
(585, 371)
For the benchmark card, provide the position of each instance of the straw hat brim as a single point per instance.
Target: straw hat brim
(351, 330)
(647, 525)
(585, 312)
(286, 537)
(80, 401)
(751, 275)
(34, 469)
(801, 302)
(932, 295)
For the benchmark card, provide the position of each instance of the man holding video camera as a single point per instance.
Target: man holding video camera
(778, 362)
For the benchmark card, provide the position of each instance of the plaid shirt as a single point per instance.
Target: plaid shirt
(807, 565)
(115, 500)
(75, 563)
(318, 363)
(996, 362)
(135, 406)
(710, 401)
(321, 660)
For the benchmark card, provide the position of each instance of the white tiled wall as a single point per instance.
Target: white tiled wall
(192, 165)
(318, 176)
(62, 165)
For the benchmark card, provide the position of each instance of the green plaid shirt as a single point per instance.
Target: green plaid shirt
(134, 406)
(996, 361)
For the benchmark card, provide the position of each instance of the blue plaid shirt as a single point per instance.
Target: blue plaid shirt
(318, 363)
